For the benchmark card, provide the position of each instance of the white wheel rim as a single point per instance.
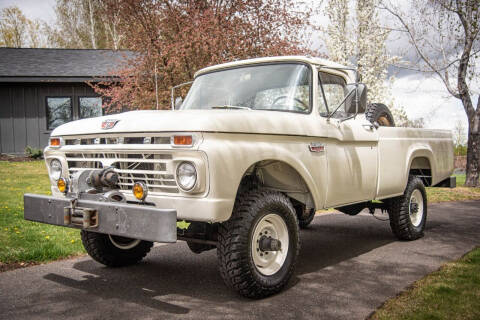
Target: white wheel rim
(269, 262)
(124, 246)
(416, 216)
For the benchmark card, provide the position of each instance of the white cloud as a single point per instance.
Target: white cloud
(33, 9)
(427, 97)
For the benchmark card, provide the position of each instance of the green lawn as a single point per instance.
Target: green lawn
(460, 179)
(453, 292)
(24, 241)
(458, 194)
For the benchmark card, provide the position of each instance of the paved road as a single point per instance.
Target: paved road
(348, 266)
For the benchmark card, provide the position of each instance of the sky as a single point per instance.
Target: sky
(421, 95)
(33, 9)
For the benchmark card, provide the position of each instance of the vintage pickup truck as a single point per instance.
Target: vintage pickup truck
(256, 147)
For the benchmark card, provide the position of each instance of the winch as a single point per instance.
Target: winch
(98, 185)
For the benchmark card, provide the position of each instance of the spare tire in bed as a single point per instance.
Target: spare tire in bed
(378, 113)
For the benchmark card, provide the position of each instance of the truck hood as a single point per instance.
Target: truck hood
(231, 120)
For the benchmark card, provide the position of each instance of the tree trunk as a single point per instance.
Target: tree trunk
(473, 152)
(92, 25)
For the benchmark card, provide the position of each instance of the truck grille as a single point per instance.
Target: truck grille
(117, 140)
(154, 169)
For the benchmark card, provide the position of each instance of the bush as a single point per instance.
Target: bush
(460, 150)
(33, 153)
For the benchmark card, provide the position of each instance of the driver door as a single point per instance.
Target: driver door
(351, 149)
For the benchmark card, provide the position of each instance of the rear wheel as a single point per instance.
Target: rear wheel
(408, 213)
(114, 251)
(199, 247)
(378, 113)
(258, 246)
(305, 215)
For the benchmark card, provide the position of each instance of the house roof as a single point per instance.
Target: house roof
(59, 65)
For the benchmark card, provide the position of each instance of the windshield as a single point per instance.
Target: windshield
(281, 87)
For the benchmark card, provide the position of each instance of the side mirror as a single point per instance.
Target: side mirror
(178, 102)
(351, 103)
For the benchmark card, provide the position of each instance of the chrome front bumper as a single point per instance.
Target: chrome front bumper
(115, 218)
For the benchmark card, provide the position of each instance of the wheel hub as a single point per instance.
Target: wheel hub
(269, 244)
(416, 208)
(413, 207)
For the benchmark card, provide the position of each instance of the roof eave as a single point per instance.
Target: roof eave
(53, 79)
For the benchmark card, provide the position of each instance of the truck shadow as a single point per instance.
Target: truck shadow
(172, 279)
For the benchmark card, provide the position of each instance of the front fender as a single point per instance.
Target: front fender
(231, 155)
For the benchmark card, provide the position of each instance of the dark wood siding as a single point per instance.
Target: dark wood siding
(23, 119)
(6, 120)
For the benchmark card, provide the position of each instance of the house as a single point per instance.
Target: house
(41, 89)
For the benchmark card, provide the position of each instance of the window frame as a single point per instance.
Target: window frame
(309, 66)
(47, 111)
(80, 109)
(323, 91)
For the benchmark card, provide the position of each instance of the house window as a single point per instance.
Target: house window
(90, 107)
(59, 111)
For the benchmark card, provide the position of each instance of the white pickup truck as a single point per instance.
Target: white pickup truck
(256, 147)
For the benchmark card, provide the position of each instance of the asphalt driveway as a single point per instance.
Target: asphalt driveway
(348, 266)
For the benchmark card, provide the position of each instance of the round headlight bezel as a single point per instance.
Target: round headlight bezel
(55, 169)
(182, 170)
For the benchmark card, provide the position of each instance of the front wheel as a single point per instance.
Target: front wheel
(408, 213)
(114, 251)
(258, 247)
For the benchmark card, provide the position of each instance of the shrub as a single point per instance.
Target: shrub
(33, 153)
(460, 150)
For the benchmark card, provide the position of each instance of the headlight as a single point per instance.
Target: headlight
(186, 175)
(55, 169)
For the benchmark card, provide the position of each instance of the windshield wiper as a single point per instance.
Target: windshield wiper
(231, 107)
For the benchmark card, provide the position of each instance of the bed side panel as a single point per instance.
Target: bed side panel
(399, 146)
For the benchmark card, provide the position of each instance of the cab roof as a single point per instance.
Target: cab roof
(322, 63)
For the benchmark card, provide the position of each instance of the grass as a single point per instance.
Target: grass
(453, 292)
(460, 193)
(25, 241)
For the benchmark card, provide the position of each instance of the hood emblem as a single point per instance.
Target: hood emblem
(109, 123)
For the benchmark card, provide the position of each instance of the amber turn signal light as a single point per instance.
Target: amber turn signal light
(62, 185)
(140, 190)
(55, 142)
(182, 140)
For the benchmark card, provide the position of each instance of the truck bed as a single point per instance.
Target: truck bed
(422, 149)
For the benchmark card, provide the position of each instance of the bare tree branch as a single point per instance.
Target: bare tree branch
(421, 54)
